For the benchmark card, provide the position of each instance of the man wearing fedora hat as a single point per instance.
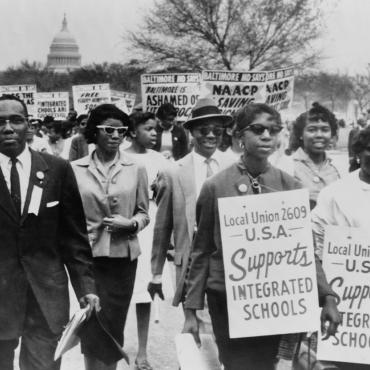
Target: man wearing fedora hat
(178, 188)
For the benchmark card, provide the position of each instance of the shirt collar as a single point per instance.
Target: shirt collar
(98, 163)
(302, 156)
(216, 156)
(24, 158)
(243, 168)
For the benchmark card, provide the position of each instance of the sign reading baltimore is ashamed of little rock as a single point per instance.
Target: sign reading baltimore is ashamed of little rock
(269, 262)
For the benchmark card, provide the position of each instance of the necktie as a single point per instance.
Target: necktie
(209, 168)
(15, 186)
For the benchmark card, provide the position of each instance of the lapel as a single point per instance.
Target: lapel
(123, 161)
(38, 177)
(187, 184)
(186, 176)
(6, 202)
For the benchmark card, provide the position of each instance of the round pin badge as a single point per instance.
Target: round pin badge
(316, 179)
(243, 188)
(40, 175)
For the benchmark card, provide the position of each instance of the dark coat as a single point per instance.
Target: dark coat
(179, 141)
(206, 269)
(34, 250)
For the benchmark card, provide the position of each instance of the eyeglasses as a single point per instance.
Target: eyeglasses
(16, 120)
(206, 130)
(259, 129)
(109, 130)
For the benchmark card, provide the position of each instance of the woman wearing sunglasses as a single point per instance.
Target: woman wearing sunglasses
(114, 191)
(258, 126)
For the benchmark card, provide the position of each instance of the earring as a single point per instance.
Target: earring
(241, 145)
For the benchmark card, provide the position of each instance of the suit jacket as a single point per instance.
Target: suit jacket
(35, 249)
(176, 200)
(179, 141)
(127, 195)
(206, 268)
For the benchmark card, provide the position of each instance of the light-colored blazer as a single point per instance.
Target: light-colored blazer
(127, 195)
(176, 200)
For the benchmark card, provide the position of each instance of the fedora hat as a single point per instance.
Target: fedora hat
(205, 108)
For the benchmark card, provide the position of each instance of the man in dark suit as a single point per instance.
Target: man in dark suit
(171, 138)
(42, 231)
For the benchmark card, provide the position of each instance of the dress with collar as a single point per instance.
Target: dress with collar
(124, 192)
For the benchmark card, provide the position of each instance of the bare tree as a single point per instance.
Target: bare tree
(361, 89)
(196, 34)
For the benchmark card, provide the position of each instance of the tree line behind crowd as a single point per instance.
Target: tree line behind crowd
(332, 89)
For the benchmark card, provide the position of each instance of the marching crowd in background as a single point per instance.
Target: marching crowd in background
(139, 196)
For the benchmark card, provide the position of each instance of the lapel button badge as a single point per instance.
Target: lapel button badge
(243, 188)
(40, 175)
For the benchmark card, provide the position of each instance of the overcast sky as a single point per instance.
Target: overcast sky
(27, 28)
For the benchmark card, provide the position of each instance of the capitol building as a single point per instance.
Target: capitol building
(64, 52)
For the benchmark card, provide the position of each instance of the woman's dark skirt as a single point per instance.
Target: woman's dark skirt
(114, 279)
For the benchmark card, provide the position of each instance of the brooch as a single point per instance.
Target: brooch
(40, 176)
(243, 188)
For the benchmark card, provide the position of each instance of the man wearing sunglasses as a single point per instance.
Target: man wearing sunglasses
(42, 231)
(179, 188)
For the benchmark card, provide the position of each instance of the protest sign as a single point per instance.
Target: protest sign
(55, 104)
(87, 97)
(279, 88)
(269, 262)
(130, 99)
(233, 90)
(123, 100)
(27, 93)
(346, 262)
(180, 89)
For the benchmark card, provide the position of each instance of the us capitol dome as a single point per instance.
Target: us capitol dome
(64, 52)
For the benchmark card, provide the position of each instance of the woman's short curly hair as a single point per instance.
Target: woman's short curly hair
(361, 141)
(315, 114)
(98, 115)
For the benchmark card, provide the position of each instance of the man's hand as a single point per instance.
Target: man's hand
(191, 325)
(331, 314)
(155, 288)
(93, 301)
